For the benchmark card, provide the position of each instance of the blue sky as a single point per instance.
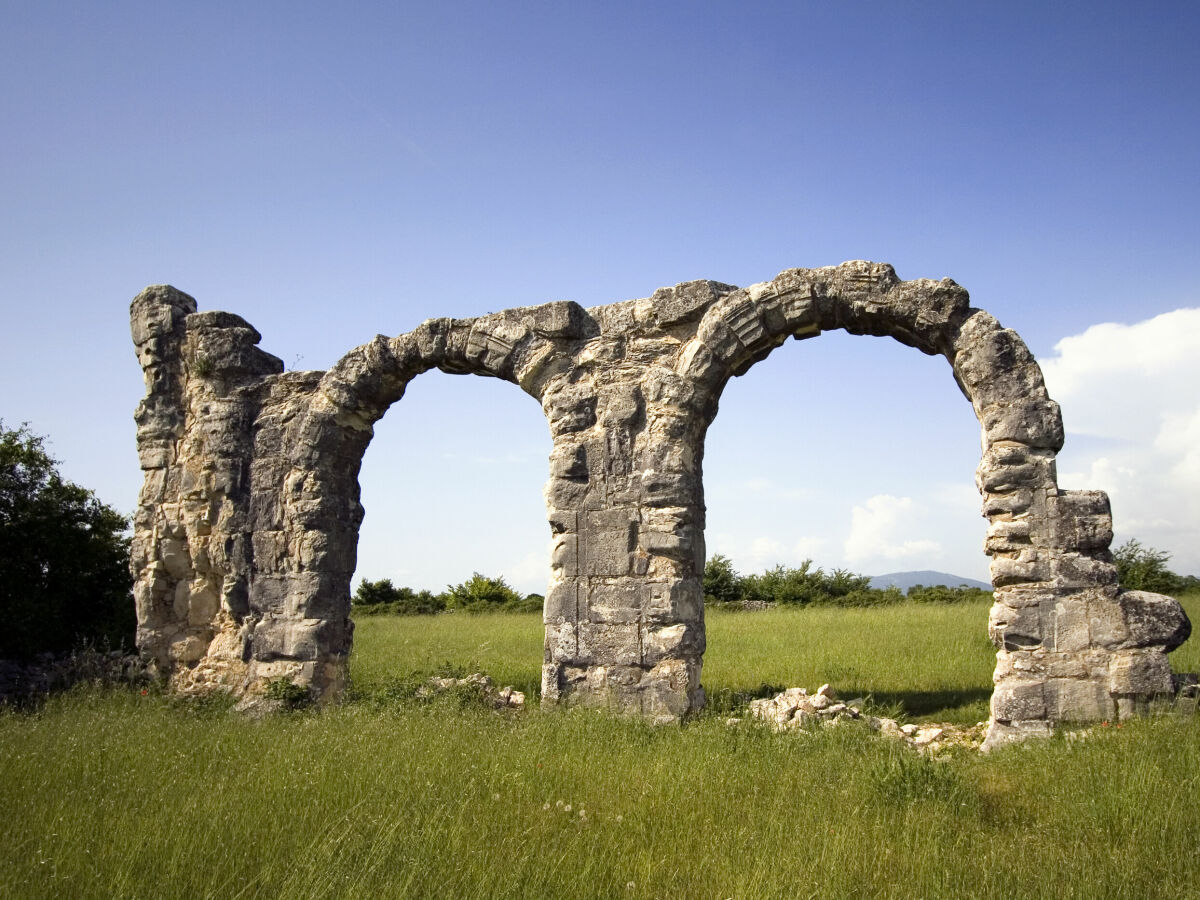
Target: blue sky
(333, 172)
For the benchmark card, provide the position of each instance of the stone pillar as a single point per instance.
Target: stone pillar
(192, 555)
(624, 613)
(157, 319)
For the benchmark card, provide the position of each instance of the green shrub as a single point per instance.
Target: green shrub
(1145, 569)
(804, 585)
(64, 557)
(479, 593)
(292, 695)
(383, 597)
(722, 583)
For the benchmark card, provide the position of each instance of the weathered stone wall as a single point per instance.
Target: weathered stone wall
(248, 523)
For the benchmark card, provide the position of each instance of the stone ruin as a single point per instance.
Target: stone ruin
(247, 525)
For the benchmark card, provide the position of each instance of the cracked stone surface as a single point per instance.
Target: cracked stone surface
(247, 526)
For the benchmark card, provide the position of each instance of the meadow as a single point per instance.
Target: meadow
(116, 793)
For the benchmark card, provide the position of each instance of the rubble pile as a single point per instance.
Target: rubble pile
(795, 708)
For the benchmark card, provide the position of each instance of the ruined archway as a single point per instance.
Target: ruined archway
(247, 524)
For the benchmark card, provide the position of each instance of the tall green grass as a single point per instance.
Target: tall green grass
(119, 794)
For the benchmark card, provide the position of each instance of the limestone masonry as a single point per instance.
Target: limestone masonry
(247, 525)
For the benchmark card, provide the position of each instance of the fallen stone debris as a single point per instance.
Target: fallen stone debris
(795, 708)
(503, 698)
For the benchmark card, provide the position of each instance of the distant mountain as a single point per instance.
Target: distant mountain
(927, 577)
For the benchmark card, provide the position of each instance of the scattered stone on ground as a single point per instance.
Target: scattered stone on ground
(796, 708)
(504, 698)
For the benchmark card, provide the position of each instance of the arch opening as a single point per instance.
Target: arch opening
(451, 485)
(801, 463)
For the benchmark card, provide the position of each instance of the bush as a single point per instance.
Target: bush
(376, 597)
(808, 586)
(1145, 569)
(804, 585)
(479, 593)
(64, 557)
(722, 584)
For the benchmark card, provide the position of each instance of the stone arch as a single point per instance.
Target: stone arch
(248, 523)
(1071, 644)
(321, 512)
(246, 532)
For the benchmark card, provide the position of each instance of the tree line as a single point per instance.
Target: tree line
(479, 593)
(806, 585)
(65, 579)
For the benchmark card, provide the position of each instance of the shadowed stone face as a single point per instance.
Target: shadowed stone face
(248, 522)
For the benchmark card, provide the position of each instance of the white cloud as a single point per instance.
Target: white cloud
(530, 573)
(1136, 388)
(881, 528)
(1118, 381)
(765, 550)
(809, 548)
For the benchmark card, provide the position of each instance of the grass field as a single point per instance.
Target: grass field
(119, 794)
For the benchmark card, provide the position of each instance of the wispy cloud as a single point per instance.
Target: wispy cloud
(881, 529)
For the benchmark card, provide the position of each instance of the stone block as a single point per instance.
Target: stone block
(661, 386)
(1017, 700)
(561, 319)
(570, 409)
(1000, 734)
(670, 690)
(668, 489)
(1106, 621)
(287, 639)
(1078, 700)
(679, 641)
(562, 642)
(1082, 521)
(536, 363)
(719, 339)
(203, 603)
(684, 302)
(1037, 423)
(1068, 625)
(564, 555)
(155, 457)
(607, 553)
(1008, 536)
(1154, 620)
(677, 545)
(1139, 672)
(431, 337)
(565, 493)
(675, 601)
(174, 555)
(609, 644)
(1015, 629)
(1026, 567)
(1011, 503)
(615, 602)
(1074, 571)
(701, 365)
(188, 650)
